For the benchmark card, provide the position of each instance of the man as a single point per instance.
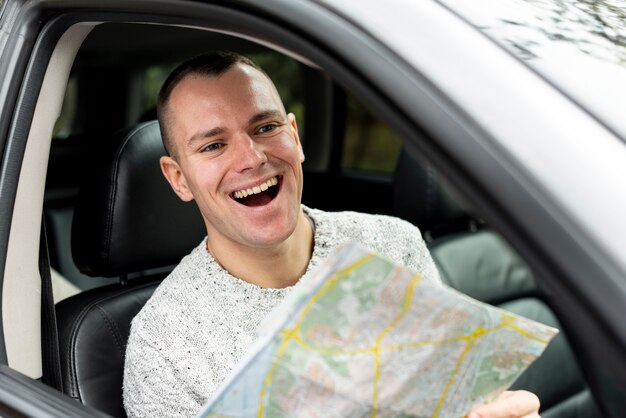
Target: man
(234, 150)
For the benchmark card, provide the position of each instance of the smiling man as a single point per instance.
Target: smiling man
(237, 153)
(234, 150)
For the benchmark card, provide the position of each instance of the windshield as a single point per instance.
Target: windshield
(578, 45)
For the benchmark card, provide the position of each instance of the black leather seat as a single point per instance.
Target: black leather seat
(420, 197)
(66, 168)
(127, 224)
(474, 260)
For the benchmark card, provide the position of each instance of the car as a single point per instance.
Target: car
(495, 126)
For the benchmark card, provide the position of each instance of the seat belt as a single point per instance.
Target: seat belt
(51, 373)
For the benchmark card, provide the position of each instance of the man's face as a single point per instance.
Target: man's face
(238, 155)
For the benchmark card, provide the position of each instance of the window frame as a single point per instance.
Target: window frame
(313, 31)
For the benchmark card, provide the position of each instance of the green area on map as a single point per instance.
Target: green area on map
(369, 338)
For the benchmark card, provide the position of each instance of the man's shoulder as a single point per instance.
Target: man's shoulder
(170, 296)
(159, 311)
(353, 220)
(386, 235)
(198, 288)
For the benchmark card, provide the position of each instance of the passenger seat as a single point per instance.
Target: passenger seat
(69, 160)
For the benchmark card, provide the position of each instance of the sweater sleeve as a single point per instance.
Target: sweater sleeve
(417, 256)
(153, 387)
(389, 236)
(402, 242)
(408, 246)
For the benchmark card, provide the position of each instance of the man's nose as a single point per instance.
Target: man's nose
(249, 153)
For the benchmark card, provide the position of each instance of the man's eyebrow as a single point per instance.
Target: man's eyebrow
(266, 114)
(205, 134)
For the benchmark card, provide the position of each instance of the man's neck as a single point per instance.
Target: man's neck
(276, 267)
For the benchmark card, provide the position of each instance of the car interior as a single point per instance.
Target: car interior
(115, 229)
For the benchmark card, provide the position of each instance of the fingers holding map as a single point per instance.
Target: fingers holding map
(370, 338)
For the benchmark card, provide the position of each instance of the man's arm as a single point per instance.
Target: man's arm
(153, 387)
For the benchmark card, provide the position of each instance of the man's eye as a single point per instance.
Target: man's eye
(212, 147)
(267, 128)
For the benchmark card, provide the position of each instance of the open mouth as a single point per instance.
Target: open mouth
(258, 195)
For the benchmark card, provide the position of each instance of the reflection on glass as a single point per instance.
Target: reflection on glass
(596, 27)
(578, 45)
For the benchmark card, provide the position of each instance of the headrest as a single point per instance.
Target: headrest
(421, 197)
(127, 218)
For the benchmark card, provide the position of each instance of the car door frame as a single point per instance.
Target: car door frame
(412, 101)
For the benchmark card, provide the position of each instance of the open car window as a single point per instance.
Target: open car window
(391, 124)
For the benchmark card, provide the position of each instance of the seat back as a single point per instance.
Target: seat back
(66, 168)
(127, 223)
(478, 263)
(419, 196)
(93, 330)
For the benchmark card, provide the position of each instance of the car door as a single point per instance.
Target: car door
(397, 60)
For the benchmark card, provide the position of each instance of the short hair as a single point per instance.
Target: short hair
(214, 63)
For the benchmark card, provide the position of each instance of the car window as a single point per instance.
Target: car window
(145, 81)
(369, 146)
(65, 123)
(151, 79)
(287, 75)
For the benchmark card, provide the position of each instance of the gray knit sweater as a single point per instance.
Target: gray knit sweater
(201, 320)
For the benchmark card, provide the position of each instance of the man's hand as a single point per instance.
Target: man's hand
(510, 404)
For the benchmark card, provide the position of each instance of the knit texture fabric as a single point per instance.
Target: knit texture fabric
(201, 320)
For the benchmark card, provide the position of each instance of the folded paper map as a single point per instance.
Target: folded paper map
(369, 338)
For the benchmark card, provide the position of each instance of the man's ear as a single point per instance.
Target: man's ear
(175, 177)
(294, 128)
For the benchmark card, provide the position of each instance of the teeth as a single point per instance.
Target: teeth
(256, 189)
